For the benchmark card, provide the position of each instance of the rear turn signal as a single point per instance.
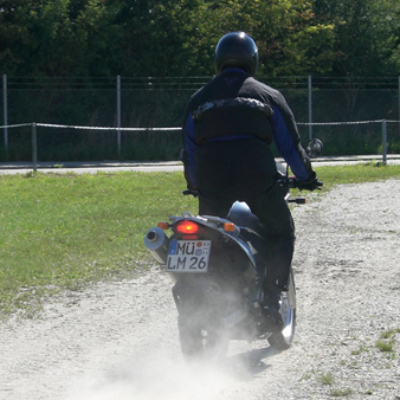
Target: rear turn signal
(163, 225)
(229, 227)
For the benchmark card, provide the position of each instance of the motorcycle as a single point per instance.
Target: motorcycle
(214, 264)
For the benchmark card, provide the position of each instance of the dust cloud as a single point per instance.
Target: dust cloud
(161, 375)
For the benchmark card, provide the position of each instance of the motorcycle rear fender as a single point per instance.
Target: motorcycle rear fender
(216, 224)
(204, 298)
(193, 291)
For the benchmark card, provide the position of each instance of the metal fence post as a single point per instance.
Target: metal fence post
(34, 147)
(5, 112)
(384, 142)
(310, 106)
(119, 115)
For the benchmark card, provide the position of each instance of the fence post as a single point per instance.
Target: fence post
(5, 112)
(119, 115)
(34, 147)
(310, 106)
(384, 142)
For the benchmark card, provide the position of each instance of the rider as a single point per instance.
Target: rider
(229, 125)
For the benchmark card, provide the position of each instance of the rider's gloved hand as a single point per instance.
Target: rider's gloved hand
(309, 184)
(191, 190)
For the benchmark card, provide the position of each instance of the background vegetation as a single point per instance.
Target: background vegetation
(62, 57)
(92, 38)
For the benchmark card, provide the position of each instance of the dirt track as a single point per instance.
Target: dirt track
(120, 341)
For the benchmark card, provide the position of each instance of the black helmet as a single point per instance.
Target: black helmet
(236, 49)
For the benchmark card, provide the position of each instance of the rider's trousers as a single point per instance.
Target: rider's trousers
(245, 170)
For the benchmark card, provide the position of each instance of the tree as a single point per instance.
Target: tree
(57, 37)
(12, 33)
(178, 37)
(291, 40)
(366, 35)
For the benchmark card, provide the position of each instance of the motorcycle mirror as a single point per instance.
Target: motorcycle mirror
(314, 148)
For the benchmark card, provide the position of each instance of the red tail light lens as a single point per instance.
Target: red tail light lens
(189, 228)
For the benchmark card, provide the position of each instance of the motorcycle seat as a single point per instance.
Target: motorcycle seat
(241, 215)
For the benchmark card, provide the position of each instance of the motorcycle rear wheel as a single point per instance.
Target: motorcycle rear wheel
(199, 342)
(283, 340)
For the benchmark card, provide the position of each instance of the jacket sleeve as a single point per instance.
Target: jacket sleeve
(287, 140)
(189, 152)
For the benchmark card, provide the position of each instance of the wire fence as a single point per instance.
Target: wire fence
(131, 118)
(131, 142)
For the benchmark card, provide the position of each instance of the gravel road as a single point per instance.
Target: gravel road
(120, 341)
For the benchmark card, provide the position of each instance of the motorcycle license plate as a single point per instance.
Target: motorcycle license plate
(188, 255)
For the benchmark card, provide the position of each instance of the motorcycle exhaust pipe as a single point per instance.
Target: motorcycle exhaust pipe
(157, 243)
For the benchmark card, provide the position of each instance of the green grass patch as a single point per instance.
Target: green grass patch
(359, 351)
(60, 231)
(387, 341)
(358, 173)
(385, 346)
(64, 230)
(341, 392)
(326, 379)
(387, 334)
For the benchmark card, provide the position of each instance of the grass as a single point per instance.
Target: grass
(387, 341)
(66, 230)
(60, 231)
(341, 392)
(359, 351)
(327, 379)
(359, 173)
(385, 346)
(388, 334)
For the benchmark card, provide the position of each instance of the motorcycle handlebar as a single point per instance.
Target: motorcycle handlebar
(291, 182)
(190, 192)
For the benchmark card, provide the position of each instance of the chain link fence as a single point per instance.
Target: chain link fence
(149, 103)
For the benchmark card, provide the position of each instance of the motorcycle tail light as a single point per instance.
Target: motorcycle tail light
(189, 228)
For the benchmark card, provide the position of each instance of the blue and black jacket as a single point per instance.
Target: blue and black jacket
(234, 105)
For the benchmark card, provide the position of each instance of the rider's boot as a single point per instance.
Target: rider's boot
(278, 265)
(271, 306)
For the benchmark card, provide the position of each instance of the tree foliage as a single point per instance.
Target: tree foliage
(367, 36)
(177, 37)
